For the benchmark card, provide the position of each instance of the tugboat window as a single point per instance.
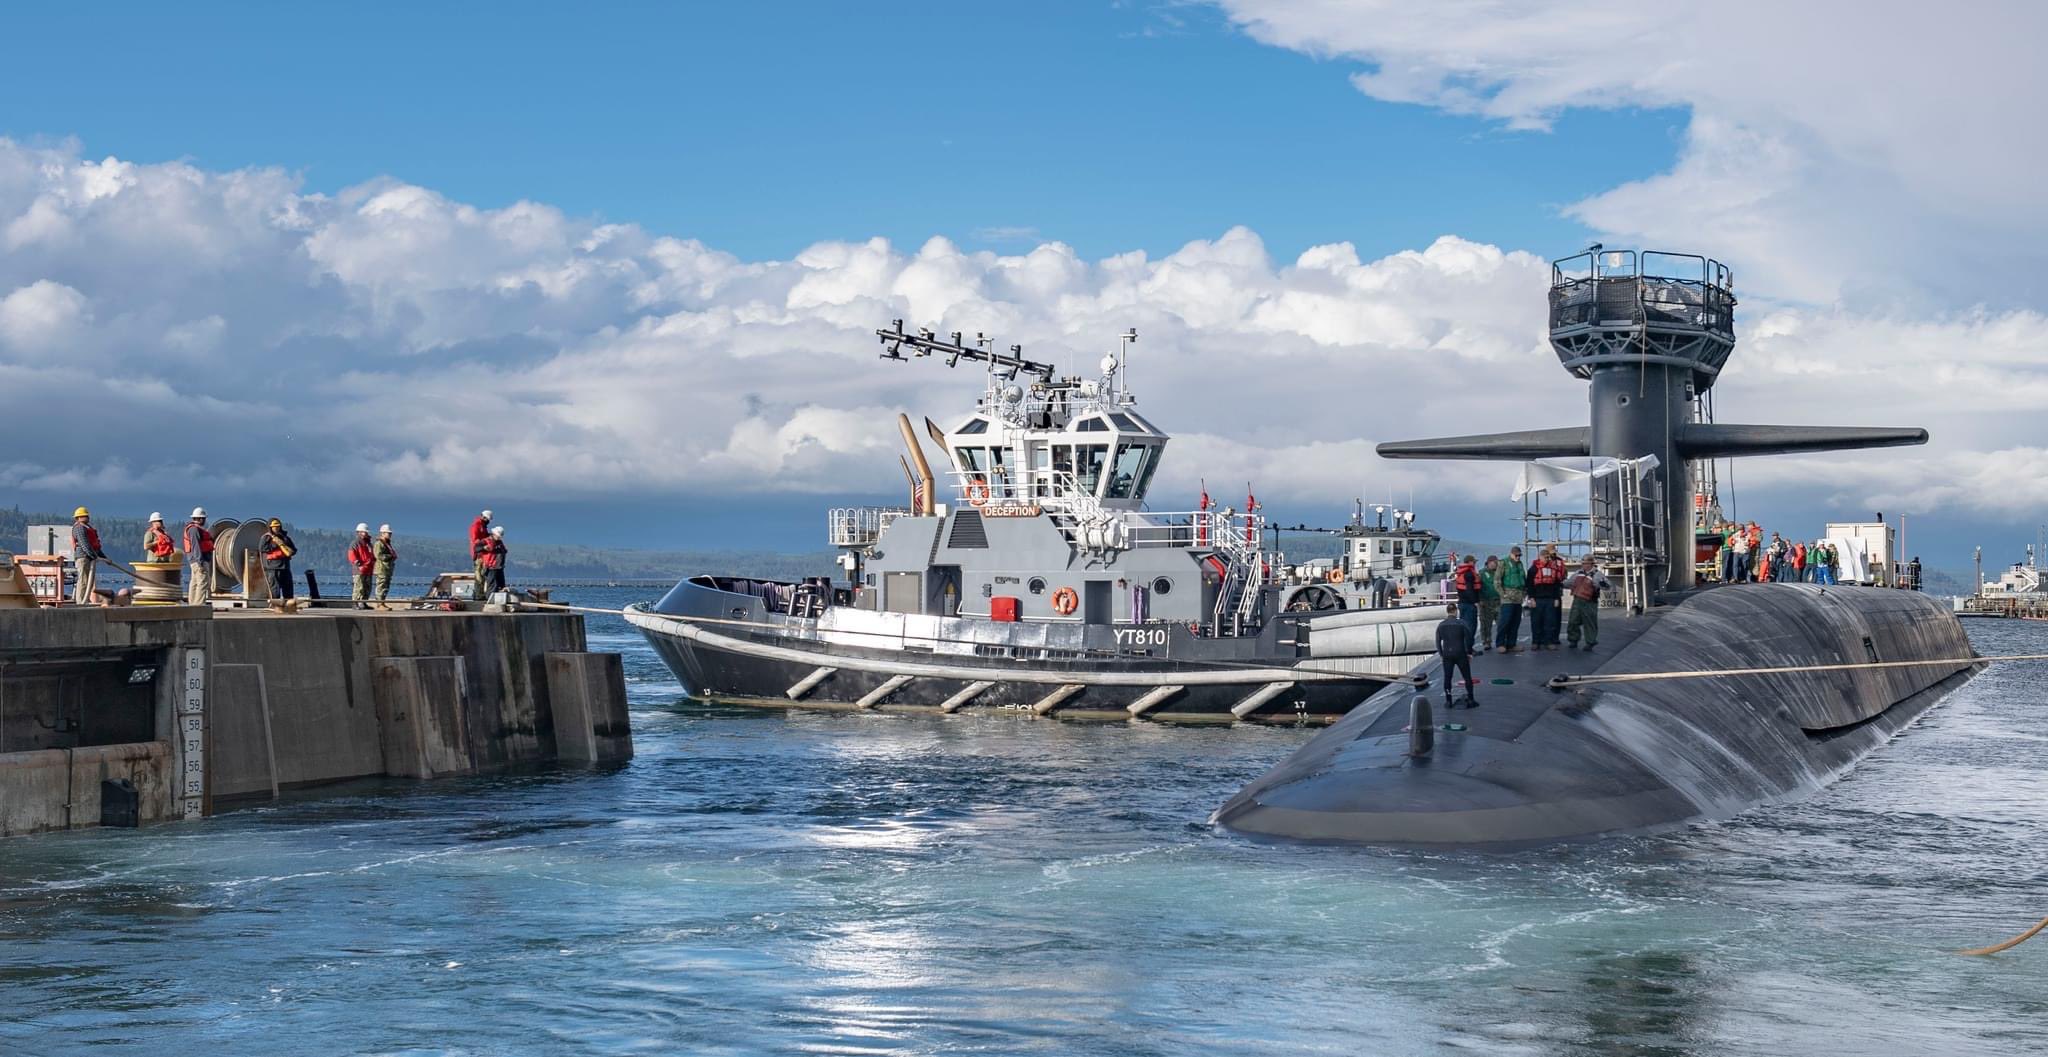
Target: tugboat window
(1093, 456)
(1145, 479)
(1037, 585)
(1124, 422)
(974, 425)
(973, 460)
(1162, 586)
(1131, 460)
(1092, 424)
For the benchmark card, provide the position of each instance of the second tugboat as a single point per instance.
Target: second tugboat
(1048, 585)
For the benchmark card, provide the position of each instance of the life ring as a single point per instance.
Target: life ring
(1065, 601)
(1336, 576)
(977, 492)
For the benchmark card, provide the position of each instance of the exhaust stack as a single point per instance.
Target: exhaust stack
(927, 505)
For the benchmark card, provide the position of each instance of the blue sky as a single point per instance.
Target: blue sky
(611, 270)
(762, 128)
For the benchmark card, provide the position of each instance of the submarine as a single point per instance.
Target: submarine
(1701, 701)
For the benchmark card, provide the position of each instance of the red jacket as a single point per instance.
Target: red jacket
(158, 543)
(479, 531)
(494, 553)
(361, 556)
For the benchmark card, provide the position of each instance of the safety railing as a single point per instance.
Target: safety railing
(860, 526)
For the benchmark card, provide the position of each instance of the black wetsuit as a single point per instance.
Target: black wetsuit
(1454, 645)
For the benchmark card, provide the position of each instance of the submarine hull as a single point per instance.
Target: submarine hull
(1537, 765)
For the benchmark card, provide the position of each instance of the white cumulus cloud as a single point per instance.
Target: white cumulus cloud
(388, 338)
(1836, 148)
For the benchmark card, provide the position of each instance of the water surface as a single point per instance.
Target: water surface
(791, 882)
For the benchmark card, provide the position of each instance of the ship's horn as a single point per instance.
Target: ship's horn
(924, 469)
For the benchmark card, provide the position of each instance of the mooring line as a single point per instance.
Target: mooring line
(1560, 681)
(2008, 944)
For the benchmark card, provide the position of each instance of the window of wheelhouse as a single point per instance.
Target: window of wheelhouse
(1145, 478)
(1091, 458)
(1132, 470)
(999, 471)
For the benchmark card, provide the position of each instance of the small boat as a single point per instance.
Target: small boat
(1046, 583)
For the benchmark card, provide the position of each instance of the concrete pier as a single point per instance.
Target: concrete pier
(194, 707)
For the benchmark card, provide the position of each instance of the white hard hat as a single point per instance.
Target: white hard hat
(383, 528)
(362, 527)
(487, 515)
(499, 531)
(198, 511)
(155, 515)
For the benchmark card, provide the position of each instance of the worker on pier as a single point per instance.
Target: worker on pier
(85, 557)
(156, 541)
(198, 559)
(1513, 582)
(479, 531)
(387, 561)
(1585, 587)
(277, 549)
(1489, 600)
(493, 562)
(1454, 648)
(362, 560)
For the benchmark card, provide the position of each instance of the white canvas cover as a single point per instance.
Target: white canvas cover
(1852, 556)
(1541, 475)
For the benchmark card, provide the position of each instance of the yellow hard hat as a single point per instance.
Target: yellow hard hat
(81, 512)
(275, 523)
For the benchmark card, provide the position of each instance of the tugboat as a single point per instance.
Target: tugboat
(1378, 565)
(1046, 584)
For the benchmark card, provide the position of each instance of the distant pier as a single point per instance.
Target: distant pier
(150, 713)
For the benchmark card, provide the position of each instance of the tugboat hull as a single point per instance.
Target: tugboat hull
(748, 656)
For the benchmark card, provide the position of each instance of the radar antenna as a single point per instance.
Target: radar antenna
(925, 343)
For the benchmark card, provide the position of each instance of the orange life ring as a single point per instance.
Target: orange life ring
(1065, 601)
(977, 492)
(1336, 576)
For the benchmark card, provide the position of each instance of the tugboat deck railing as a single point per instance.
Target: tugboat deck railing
(860, 526)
